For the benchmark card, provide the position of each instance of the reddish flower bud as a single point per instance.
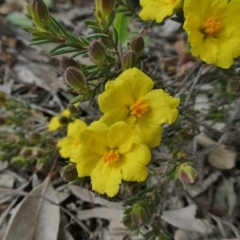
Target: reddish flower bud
(129, 60)
(41, 10)
(137, 44)
(75, 78)
(72, 109)
(35, 136)
(26, 152)
(105, 7)
(139, 214)
(63, 120)
(69, 173)
(38, 153)
(186, 173)
(97, 52)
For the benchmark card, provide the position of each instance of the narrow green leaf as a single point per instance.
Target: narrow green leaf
(97, 35)
(91, 23)
(50, 26)
(95, 28)
(41, 34)
(29, 29)
(38, 42)
(64, 51)
(79, 53)
(76, 99)
(115, 36)
(58, 25)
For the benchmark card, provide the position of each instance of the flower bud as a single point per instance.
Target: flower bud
(72, 109)
(35, 136)
(233, 86)
(75, 78)
(68, 62)
(41, 10)
(139, 214)
(18, 160)
(105, 7)
(26, 152)
(63, 120)
(97, 52)
(69, 173)
(129, 60)
(38, 153)
(137, 44)
(186, 173)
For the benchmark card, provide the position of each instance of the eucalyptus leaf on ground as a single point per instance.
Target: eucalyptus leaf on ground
(35, 217)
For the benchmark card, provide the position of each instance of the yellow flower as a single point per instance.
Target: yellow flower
(213, 30)
(110, 154)
(131, 98)
(158, 9)
(55, 124)
(70, 143)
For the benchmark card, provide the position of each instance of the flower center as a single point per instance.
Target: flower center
(139, 108)
(111, 156)
(211, 26)
(77, 142)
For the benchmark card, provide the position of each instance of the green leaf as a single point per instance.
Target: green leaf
(91, 23)
(19, 19)
(97, 35)
(76, 99)
(115, 36)
(63, 50)
(121, 24)
(39, 41)
(82, 52)
(51, 27)
(29, 29)
(95, 28)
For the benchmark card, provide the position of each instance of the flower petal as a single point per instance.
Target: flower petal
(162, 107)
(75, 128)
(94, 138)
(122, 137)
(115, 115)
(86, 161)
(106, 178)
(66, 113)
(139, 83)
(67, 147)
(54, 124)
(116, 95)
(158, 10)
(134, 163)
(149, 133)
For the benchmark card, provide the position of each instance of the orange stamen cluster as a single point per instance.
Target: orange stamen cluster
(139, 108)
(77, 142)
(111, 156)
(211, 26)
